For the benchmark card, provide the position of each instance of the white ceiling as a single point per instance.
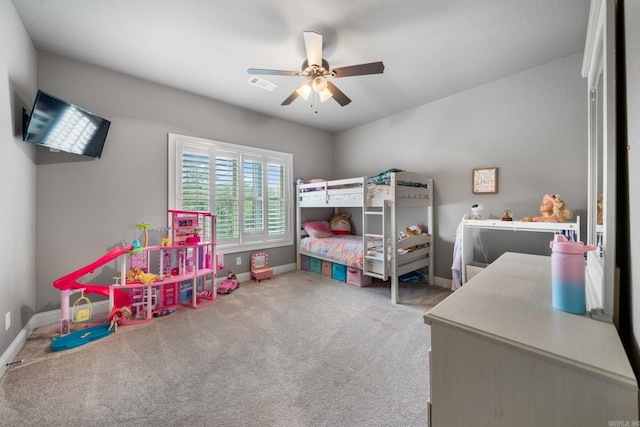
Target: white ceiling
(431, 48)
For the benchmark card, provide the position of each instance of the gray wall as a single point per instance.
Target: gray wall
(87, 206)
(531, 126)
(17, 177)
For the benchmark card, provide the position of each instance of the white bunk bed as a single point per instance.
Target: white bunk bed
(379, 205)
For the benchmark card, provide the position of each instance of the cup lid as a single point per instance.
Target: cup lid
(562, 245)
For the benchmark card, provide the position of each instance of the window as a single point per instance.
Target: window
(245, 187)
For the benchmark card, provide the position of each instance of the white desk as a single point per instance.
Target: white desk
(501, 355)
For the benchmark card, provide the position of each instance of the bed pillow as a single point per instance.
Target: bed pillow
(319, 229)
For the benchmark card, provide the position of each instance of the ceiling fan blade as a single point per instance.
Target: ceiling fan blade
(313, 44)
(290, 99)
(338, 95)
(273, 72)
(359, 70)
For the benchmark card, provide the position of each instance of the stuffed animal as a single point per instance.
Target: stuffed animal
(340, 224)
(600, 209)
(414, 230)
(476, 211)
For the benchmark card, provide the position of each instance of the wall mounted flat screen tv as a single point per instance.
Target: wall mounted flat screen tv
(59, 125)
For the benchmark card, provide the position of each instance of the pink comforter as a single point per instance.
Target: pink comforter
(345, 249)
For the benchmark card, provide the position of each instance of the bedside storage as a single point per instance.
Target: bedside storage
(315, 265)
(356, 278)
(326, 268)
(304, 263)
(339, 272)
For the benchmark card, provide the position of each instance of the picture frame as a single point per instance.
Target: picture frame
(484, 180)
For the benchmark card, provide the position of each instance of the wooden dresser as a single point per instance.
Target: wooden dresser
(501, 355)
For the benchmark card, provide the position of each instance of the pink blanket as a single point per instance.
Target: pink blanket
(344, 249)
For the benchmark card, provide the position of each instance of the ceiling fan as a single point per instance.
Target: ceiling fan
(317, 70)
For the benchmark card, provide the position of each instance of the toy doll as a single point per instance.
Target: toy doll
(553, 209)
(118, 315)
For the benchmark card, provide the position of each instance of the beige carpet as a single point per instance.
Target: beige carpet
(298, 350)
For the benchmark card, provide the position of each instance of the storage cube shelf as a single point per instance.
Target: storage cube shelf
(315, 265)
(339, 272)
(356, 278)
(304, 263)
(327, 270)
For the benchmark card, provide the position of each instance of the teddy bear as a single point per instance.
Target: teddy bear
(340, 224)
(414, 230)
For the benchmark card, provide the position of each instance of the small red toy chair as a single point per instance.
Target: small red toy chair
(260, 266)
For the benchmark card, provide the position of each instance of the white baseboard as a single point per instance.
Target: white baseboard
(442, 282)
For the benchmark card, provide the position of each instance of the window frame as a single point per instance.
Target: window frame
(177, 144)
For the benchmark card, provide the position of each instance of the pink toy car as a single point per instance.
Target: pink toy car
(228, 285)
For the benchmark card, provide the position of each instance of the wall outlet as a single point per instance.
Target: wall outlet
(7, 321)
(238, 260)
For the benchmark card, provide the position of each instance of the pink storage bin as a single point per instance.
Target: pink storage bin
(356, 278)
(327, 268)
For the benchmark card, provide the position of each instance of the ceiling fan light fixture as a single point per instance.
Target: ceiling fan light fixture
(325, 94)
(304, 91)
(319, 84)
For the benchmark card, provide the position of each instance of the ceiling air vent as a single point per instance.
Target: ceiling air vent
(264, 84)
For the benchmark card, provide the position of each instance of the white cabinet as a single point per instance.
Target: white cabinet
(571, 229)
(501, 355)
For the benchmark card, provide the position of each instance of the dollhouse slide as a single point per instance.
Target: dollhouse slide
(68, 284)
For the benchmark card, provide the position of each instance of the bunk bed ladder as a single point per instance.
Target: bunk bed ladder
(369, 260)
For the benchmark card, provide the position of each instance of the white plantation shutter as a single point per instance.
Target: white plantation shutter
(276, 206)
(227, 193)
(253, 198)
(249, 190)
(196, 195)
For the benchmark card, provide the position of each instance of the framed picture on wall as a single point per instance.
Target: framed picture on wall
(484, 180)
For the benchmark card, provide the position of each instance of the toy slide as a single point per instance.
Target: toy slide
(69, 284)
(69, 281)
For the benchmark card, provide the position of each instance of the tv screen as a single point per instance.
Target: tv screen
(59, 125)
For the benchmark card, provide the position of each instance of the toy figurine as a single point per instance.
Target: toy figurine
(476, 211)
(553, 209)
